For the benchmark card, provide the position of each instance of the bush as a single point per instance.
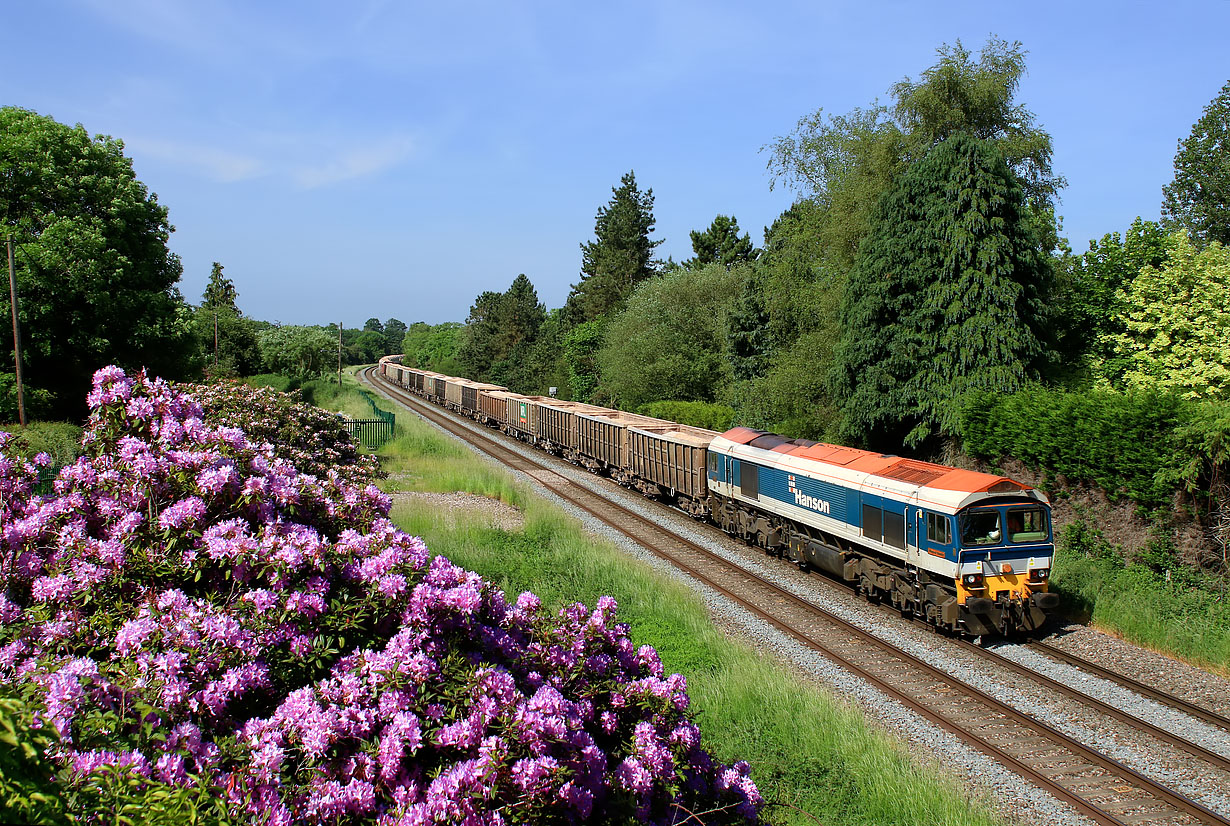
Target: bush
(311, 439)
(1121, 442)
(283, 384)
(189, 610)
(708, 415)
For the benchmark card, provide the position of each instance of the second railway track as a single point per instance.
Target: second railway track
(1100, 787)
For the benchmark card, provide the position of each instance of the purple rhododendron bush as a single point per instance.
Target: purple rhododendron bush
(190, 608)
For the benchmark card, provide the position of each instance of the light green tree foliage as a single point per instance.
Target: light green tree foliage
(1199, 197)
(721, 244)
(1087, 300)
(619, 257)
(95, 279)
(298, 352)
(1178, 322)
(433, 347)
(961, 95)
(948, 297)
(669, 343)
(847, 162)
(843, 163)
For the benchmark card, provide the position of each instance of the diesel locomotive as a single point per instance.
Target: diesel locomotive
(968, 552)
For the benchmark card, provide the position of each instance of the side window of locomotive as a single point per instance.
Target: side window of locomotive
(939, 529)
(872, 522)
(980, 528)
(894, 529)
(749, 482)
(1027, 525)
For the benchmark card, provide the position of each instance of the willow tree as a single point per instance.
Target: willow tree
(948, 295)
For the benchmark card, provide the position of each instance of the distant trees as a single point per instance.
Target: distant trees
(948, 296)
(670, 343)
(300, 353)
(619, 257)
(721, 244)
(228, 341)
(220, 292)
(95, 278)
(500, 329)
(1198, 199)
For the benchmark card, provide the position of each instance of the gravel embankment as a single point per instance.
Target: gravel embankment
(1016, 800)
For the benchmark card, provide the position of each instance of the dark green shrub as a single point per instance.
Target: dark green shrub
(708, 415)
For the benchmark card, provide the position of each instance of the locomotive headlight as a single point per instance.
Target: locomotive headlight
(973, 580)
(1041, 573)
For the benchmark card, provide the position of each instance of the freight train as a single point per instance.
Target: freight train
(968, 552)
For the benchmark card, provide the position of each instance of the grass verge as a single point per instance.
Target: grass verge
(1186, 615)
(814, 758)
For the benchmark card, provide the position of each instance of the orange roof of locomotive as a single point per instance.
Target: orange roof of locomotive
(923, 474)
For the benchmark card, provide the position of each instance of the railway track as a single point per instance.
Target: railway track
(1100, 787)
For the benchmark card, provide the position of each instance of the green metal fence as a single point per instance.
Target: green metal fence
(375, 431)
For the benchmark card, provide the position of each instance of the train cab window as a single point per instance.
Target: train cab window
(981, 528)
(1027, 525)
(713, 461)
(939, 529)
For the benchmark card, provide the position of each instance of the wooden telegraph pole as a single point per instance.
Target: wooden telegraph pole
(21, 401)
(340, 326)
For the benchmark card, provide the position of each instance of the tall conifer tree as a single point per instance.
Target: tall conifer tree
(947, 296)
(619, 257)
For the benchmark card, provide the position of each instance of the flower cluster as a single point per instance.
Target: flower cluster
(311, 439)
(191, 607)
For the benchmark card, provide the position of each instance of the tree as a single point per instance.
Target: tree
(299, 353)
(948, 296)
(1198, 199)
(1087, 298)
(669, 343)
(721, 244)
(1177, 322)
(847, 162)
(238, 350)
(95, 279)
(373, 325)
(433, 347)
(370, 345)
(959, 95)
(394, 332)
(619, 257)
(220, 292)
(783, 332)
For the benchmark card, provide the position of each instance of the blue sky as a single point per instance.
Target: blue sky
(345, 160)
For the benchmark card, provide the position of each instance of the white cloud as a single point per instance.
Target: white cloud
(217, 164)
(355, 162)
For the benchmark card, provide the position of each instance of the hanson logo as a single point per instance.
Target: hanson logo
(804, 501)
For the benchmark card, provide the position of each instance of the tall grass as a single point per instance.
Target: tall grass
(815, 758)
